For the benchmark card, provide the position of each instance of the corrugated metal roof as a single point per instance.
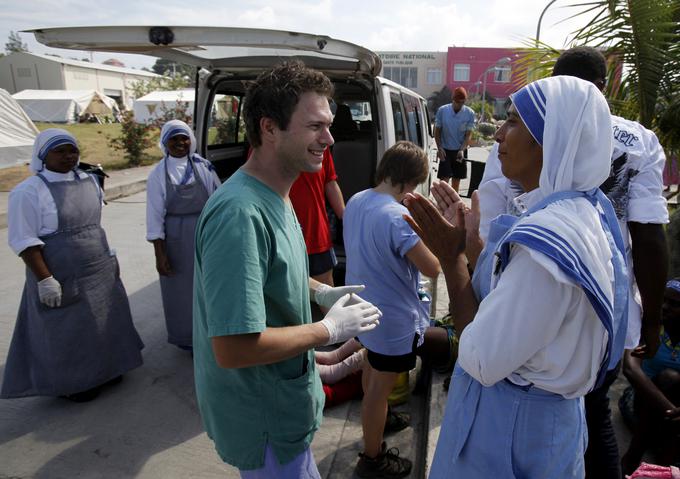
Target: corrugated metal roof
(93, 66)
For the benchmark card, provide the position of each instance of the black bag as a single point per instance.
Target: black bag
(95, 170)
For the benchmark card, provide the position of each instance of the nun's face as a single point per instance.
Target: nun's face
(178, 146)
(62, 159)
(520, 155)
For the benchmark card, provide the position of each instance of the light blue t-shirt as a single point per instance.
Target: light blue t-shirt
(377, 239)
(251, 273)
(454, 125)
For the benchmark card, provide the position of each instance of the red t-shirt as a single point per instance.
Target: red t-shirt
(309, 201)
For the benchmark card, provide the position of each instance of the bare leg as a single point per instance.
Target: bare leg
(455, 183)
(377, 387)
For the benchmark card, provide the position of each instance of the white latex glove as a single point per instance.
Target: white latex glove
(49, 291)
(326, 296)
(349, 316)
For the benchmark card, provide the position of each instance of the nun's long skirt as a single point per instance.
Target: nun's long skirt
(508, 431)
(90, 338)
(183, 205)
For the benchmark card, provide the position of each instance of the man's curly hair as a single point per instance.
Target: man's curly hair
(276, 92)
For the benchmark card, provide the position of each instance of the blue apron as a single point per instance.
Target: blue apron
(90, 338)
(508, 430)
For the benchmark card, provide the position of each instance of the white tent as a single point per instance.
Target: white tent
(17, 132)
(64, 106)
(152, 106)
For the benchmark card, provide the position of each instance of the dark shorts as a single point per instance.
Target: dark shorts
(451, 167)
(393, 364)
(319, 263)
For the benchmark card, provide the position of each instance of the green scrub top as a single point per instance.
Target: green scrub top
(251, 273)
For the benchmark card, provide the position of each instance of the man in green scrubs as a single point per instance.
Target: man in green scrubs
(257, 387)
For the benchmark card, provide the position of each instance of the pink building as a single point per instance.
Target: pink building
(466, 67)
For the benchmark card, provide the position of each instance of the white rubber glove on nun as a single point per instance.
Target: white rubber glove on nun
(326, 296)
(49, 291)
(350, 316)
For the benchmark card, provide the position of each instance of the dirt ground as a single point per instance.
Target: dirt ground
(93, 140)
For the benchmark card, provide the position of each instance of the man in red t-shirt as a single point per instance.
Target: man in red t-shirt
(308, 195)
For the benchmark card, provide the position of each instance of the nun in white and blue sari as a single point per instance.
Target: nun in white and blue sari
(74, 330)
(177, 189)
(546, 314)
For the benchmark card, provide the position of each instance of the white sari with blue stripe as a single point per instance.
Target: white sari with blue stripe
(520, 426)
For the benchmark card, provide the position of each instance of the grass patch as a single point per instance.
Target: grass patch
(93, 140)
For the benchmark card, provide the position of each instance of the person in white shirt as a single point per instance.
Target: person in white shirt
(177, 189)
(74, 330)
(634, 187)
(543, 324)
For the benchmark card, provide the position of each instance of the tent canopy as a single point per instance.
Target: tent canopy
(152, 106)
(64, 106)
(17, 132)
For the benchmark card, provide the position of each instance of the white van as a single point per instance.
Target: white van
(371, 113)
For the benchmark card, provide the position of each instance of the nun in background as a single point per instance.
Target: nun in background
(544, 317)
(176, 192)
(74, 331)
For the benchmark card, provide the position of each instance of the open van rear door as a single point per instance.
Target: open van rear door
(215, 47)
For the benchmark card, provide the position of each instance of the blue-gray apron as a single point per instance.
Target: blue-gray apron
(183, 205)
(507, 430)
(90, 338)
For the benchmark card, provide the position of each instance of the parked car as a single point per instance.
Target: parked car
(371, 112)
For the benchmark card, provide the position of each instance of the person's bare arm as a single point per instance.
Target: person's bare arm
(425, 261)
(270, 346)
(650, 266)
(438, 141)
(447, 242)
(448, 202)
(335, 199)
(35, 261)
(466, 141)
(162, 262)
(643, 385)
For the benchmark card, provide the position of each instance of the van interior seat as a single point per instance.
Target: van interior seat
(354, 165)
(344, 127)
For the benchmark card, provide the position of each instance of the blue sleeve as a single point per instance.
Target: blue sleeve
(438, 118)
(232, 247)
(471, 120)
(403, 238)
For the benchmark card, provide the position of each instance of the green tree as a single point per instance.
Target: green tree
(143, 87)
(643, 34)
(439, 98)
(173, 69)
(133, 139)
(643, 39)
(14, 43)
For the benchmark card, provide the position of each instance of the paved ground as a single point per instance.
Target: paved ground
(148, 426)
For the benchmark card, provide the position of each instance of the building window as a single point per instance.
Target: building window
(405, 76)
(502, 74)
(434, 76)
(461, 72)
(24, 72)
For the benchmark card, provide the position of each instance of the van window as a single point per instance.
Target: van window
(398, 115)
(413, 119)
(361, 110)
(225, 125)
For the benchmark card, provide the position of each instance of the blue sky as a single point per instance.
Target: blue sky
(428, 25)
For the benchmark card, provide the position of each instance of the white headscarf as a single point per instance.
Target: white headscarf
(570, 118)
(46, 141)
(174, 128)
